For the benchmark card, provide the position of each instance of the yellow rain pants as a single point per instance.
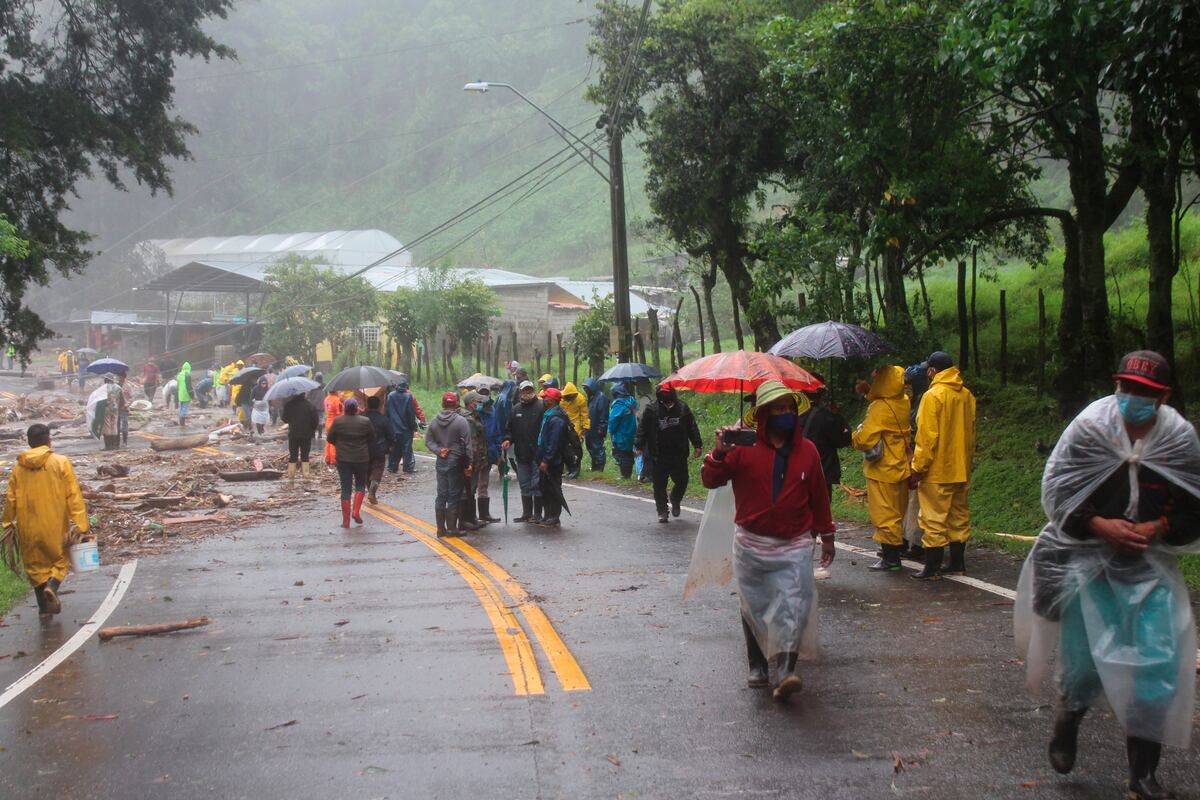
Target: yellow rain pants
(887, 503)
(945, 516)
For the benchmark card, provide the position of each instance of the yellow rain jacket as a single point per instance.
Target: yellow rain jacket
(887, 416)
(575, 404)
(945, 430)
(227, 372)
(43, 499)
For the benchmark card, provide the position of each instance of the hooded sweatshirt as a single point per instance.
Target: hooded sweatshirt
(43, 499)
(945, 430)
(887, 417)
(524, 424)
(597, 409)
(576, 406)
(622, 418)
(183, 382)
(449, 430)
(666, 432)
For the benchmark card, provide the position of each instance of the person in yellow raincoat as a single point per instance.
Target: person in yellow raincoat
(43, 500)
(941, 467)
(333, 410)
(575, 404)
(883, 438)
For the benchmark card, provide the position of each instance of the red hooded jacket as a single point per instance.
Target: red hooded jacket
(803, 503)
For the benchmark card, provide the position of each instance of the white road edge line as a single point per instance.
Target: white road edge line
(119, 587)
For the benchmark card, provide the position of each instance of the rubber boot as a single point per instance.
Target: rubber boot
(958, 564)
(1064, 744)
(291, 475)
(358, 501)
(345, 513)
(50, 594)
(452, 522)
(933, 565)
(466, 512)
(440, 514)
(757, 678)
(916, 553)
(526, 509)
(789, 681)
(485, 512)
(890, 561)
(1143, 762)
(39, 592)
(304, 471)
(537, 510)
(372, 488)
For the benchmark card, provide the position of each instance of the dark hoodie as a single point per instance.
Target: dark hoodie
(449, 430)
(665, 432)
(597, 409)
(524, 425)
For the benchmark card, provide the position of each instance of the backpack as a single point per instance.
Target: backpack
(572, 448)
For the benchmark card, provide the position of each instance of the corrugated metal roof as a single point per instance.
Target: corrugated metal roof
(341, 248)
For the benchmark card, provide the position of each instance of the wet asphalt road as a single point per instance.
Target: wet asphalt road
(411, 694)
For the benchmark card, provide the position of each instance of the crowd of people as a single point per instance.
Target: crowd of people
(1121, 491)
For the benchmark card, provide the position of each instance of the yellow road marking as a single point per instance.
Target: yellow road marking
(8, 395)
(514, 644)
(562, 662)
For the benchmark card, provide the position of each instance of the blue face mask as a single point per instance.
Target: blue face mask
(782, 423)
(1135, 409)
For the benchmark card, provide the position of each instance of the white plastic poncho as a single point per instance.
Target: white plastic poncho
(1127, 621)
(260, 413)
(94, 399)
(712, 556)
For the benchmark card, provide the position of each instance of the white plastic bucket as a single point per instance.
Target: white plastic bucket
(85, 556)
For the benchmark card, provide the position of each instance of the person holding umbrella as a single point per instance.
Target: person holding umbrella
(449, 439)
(782, 504)
(316, 398)
(521, 438)
(302, 422)
(883, 438)
(826, 428)
(666, 428)
(597, 430)
(353, 436)
(493, 435)
(402, 416)
(333, 410)
(622, 426)
(552, 439)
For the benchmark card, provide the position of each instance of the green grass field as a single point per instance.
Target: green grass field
(12, 589)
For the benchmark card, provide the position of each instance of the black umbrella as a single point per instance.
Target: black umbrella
(247, 376)
(353, 378)
(831, 340)
(549, 487)
(630, 372)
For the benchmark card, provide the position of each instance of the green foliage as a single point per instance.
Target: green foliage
(307, 305)
(85, 86)
(590, 333)
(12, 589)
(469, 308)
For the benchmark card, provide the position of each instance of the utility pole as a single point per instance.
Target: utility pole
(620, 245)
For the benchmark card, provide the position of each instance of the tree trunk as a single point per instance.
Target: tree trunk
(974, 317)
(1158, 185)
(895, 303)
(737, 317)
(699, 318)
(964, 331)
(1071, 388)
(714, 332)
(925, 296)
(652, 319)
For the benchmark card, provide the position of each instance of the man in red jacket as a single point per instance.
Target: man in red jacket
(782, 504)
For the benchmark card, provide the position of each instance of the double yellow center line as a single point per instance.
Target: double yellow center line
(490, 582)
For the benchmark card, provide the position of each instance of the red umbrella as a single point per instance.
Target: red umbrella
(741, 371)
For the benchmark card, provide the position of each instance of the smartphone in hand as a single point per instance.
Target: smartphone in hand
(741, 437)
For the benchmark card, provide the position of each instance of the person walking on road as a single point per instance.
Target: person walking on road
(333, 410)
(150, 378)
(383, 443)
(825, 427)
(941, 467)
(552, 440)
(42, 502)
(666, 429)
(781, 505)
(183, 392)
(622, 427)
(576, 407)
(260, 413)
(353, 436)
(883, 438)
(1121, 492)
(302, 422)
(472, 405)
(449, 439)
(402, 415)
(114, 408)
(316, 399)
(521, 440)
(494, 435)
(597, 431)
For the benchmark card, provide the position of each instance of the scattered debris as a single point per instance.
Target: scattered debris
(253, 475)
(287, 724)
(151, 630)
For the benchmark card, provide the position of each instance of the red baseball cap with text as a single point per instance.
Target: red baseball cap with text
(1145, 367)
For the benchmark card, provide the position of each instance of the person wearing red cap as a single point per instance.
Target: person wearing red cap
(449, 439)
(1121, 491)
(552, 439)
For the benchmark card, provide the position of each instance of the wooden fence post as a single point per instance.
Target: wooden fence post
(1041, 385)
(562, 362)
(1003, 337)
(699, 318)
(574, 366)
(964, 338)
(652, 319)
(537, 364)
(975, 319)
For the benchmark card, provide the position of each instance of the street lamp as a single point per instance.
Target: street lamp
(616, 189)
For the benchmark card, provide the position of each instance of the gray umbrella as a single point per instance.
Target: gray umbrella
(247, 376)
(353, 378)
(831, 340)
(288, 387)
(295, 371)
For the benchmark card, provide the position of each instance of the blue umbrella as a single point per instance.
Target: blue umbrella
(630, 372)
(103, 365)
(289, 387)
(296, 371)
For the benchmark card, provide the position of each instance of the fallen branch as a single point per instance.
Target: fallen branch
(90, 495)
(151, 630)
(161, 502)
(256, 475)
(180, 442)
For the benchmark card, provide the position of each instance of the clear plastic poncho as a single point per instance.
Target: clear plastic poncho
(1122, 626)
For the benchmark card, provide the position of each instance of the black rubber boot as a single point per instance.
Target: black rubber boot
(50, 594)
(452, 522)
(526, 509)
(933, 565)
(789, 682)
(466, 515)
(440, 513)
(958, 564)
(890, 561)
(537, 510)
(1143, 762)
(916, 553)
(1065, 741)
(485, 513)
(626, 471)
(757, 679)
(40, 594)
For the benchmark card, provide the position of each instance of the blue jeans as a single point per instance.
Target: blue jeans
(450, 483)
(530, 479)
(402, 450)
(352, 475)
